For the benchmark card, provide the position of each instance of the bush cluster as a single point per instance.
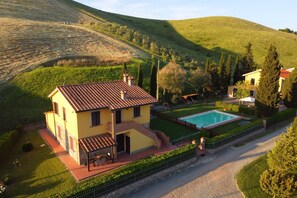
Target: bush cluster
(27, 147)
(6, 141)
(281, 116)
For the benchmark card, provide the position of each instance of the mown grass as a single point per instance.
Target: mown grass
(172, 130)
(41, 173)
(25, 99)
(188, 110)
(248, 178)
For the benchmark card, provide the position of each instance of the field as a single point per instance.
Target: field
(31, 39)
(208, 37)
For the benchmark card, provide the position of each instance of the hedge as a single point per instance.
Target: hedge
(281, 116)
(7, 139)
(234, 131)
(126, 171)
(252, 111)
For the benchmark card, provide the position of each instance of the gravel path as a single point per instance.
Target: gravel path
(213, 175)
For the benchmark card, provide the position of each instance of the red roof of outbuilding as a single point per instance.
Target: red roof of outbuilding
(92, 96)
(284, 73)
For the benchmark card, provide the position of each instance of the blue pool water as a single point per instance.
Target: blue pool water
(209, 118)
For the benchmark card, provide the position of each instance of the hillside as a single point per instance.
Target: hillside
(34, 32)
(208, 36)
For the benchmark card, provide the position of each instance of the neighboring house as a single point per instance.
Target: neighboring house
(107, 117)
(253, 78)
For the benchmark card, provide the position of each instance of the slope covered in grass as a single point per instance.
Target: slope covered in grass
(25, 99)
(208, 36)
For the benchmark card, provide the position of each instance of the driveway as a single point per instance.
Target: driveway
(212, 175)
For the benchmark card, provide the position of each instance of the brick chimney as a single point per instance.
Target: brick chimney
(123, 95)
(125, 77)
(130, 80)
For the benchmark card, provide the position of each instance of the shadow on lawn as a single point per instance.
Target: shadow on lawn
(40, 171)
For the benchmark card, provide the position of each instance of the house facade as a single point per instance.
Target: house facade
(252, 80)
(96, 118)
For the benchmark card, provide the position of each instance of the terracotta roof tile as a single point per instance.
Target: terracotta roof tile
(95, 143)
(92, 96)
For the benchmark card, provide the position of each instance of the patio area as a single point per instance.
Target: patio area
(81, 172)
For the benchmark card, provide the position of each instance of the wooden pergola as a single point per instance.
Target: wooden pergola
(96, 143)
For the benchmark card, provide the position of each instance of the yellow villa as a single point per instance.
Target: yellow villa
(253, 78)
(101, 118)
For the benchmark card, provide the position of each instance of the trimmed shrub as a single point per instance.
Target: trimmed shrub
(227, 107)
(7, 139)
(28, 146)
(278, 183)
(281, 116)
(7, 179)
(252, 111)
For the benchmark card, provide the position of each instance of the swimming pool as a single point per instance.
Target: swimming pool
(210, 119)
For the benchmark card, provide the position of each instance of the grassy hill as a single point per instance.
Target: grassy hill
(34, 33)
(25, 99)
(208, 36)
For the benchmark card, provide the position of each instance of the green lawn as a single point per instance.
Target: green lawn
(171, 129)
(248, 178)
(189, 110)
(41, 174)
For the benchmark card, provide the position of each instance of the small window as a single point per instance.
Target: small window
(95, 116)
(64, 113)
(56, 108)
(136, 111)
(252, 81)
(59, 132)
(71, 143)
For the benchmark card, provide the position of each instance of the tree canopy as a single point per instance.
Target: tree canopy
(289, 92)
(171, 78)
(267, 97)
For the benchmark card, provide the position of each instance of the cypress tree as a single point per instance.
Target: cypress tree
(222, 73)
(236, 73)
(247, 60)
(267, 91)
(140, 76)
(153, 79)
(124, 71)
(206, 66)
(289, 92)
(228, 70)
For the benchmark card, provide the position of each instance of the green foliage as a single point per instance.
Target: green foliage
(227, 106)
(267, 92)
(222, 73)
(199, 80)
(249, 176)
(124, 71)
(228, 71)
(281, 116)
(140, 76)
(251, 111)
(278, 183)
(236, 72)
(242, 89)
(240, 129)
(247, 60)
(172, 77)
(153, 79)
(283, 156)
(206, 66)
(7, 139)
(215, 78)
(28, 146)
(129, 170)
(289, 91)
